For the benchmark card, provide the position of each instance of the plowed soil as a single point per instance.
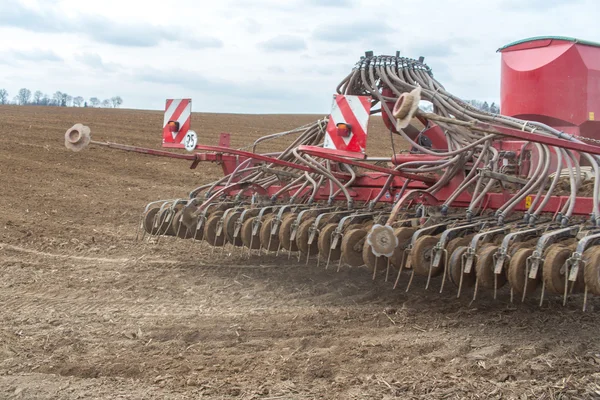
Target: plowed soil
(87, 312)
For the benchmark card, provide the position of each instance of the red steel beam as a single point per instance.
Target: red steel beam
(323, 153)
(537, 138)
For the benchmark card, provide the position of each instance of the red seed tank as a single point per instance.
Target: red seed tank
(554, 80)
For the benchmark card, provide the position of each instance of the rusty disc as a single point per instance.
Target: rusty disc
(554, 269)
(164, 226)
(422, 256)
(285, 232)
(210, 230)
(592, 269)
(269, 242)
(149, 221)
(516, 272)
(456, 243)
(484, 268)
(404, 235)
(372, 261)
(249, 240)
(455, 269)
(302, 237)
(324, 243)
(229, 228)
(352, 246)
(181, 230)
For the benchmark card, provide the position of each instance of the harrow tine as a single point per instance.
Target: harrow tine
(375, 268)
(387, 271)
(445, 274)
(462, 274)
(412, 275)
(402, 261)
(328, 258)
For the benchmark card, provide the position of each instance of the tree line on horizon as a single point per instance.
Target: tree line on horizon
(59, 99)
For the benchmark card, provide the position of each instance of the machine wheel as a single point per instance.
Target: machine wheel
(404, 235)
(484, 269)
(302, 236)
(554, 270)
(352, 245)
(229, 228)
(249, 240)
(372, 261)
(455, 268)
(324, 243)
(210, 230)
(285, 232)
(592, 269)
(269, 242)
(149, 221)
(516, 272)
(422, 256)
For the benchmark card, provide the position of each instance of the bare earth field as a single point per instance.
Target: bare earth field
(86, 312)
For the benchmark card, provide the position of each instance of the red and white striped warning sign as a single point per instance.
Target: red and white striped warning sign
(348, 122)
(178, 113)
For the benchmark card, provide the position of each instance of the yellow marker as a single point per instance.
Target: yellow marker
(528, 201)
(592, 117)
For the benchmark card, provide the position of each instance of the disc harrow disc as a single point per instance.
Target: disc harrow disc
(352, 247)
(149, 219)
(285, 232)
(269, 242)
(164, 223)
(484, 269)
(403, 235)
(210, 230)
(251, 241)
(371, 260)
(229, 228)
(592, 269)
(455, 269)
(324, 243)
(422, 256)
(517, 269)
(554, 269)
(181, 230)
(302, 236)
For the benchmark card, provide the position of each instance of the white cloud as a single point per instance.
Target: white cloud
(262, 55)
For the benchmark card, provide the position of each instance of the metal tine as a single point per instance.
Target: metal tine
(375, 268)
(462, 273)
(527, 269)
(328, 258)
(445, 274)
(387, 271)
(402, 261)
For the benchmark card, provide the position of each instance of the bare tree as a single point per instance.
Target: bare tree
(494, 109)
(24, 96)
(106, 103)
(94, 102)
(78, 101)
(116, 101)
(57, 98)
(3, 96)
(37, 97)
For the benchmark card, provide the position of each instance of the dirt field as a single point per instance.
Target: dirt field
(89, 313)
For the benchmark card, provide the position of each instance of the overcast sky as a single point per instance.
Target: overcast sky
(263, 56)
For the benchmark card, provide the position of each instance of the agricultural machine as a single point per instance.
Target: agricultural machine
(480, 200)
